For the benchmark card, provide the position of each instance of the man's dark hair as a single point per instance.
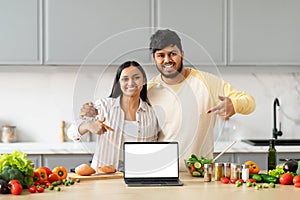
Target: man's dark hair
(164, 38)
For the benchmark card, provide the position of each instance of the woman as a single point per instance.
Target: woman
(126, 115)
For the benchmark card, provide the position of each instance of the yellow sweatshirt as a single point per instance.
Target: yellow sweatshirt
(182, 110)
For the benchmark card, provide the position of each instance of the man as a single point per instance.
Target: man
(187, 101)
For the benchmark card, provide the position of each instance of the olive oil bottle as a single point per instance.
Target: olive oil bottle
(272, 155)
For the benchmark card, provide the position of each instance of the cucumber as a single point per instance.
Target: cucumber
(268, 178)
(197, 165)
(196, 173)
(257, 177)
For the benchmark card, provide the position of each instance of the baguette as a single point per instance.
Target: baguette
(108, 169)
(84, 170)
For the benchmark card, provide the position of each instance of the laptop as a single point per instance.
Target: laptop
(151, 164)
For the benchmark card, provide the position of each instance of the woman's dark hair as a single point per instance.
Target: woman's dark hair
(116, 89)
(164, 38)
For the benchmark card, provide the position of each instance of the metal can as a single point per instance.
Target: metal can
(218, 171)
(207, 172)
(226, 170)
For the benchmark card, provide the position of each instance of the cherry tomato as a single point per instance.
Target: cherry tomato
(296, 179)
(53, 177)
(297, 184)
(32, 189)
(241, 180)
(252, 180)
(286, 179)
(47, 184)
(16, 189)
(40, 189)
(11, 182)
(233, 181)
(224, 180)
(192, 168)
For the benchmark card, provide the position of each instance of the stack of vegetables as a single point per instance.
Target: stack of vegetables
(16, 166)
(17, 173)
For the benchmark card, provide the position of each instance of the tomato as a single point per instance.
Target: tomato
(224, 180)
(53, 177)
(192, 168)
(233, 181)
(286, 179)
(40, 189)
(47, 184)
(16, 189)
(241, 180)
(11, 182)
(296, 179)
(32, 189)
(252, 180)
(297, 185)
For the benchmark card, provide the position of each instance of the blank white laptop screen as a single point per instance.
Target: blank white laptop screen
(150, 160)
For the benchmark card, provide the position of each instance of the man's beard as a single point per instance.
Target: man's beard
(176, 73)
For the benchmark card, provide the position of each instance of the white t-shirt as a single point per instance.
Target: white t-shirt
(130, 131)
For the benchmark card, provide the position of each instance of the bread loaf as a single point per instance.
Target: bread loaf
(84, 170)
(108, 169)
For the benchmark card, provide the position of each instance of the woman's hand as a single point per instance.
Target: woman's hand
(96, 127)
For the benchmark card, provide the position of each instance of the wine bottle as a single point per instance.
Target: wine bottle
(272, 154)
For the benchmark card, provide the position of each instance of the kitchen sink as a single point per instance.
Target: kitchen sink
(279, 142)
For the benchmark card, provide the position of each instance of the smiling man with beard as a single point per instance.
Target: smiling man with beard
(187, 102)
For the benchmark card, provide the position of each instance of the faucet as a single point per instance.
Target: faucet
(276, 132)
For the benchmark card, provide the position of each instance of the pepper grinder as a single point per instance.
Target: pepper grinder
(62, 135)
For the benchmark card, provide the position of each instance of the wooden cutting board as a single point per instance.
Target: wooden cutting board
(96, 176)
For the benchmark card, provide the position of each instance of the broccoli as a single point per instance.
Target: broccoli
(10, 173)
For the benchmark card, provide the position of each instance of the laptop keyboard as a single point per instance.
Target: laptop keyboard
(152, 181)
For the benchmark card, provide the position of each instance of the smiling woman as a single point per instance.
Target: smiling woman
(126, 115)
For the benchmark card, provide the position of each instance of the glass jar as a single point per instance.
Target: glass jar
(218, 171)
(207, 172)
(245, 172)
(8, 134)
(235, 170)
(226, 170)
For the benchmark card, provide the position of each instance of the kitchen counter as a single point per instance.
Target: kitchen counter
(89, 147)
(193, 188)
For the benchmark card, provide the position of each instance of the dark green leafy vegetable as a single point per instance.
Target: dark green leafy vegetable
(10, 173)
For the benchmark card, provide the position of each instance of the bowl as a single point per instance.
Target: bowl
(196, 166)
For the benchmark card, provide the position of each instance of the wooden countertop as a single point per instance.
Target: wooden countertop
(194, 188)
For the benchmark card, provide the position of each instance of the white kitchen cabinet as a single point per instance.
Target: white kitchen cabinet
(36, 160)
(225, 158)
(261, 159)
(96, 32)
(69, 161)
(264, 32)
(201, 25)
(20, 35)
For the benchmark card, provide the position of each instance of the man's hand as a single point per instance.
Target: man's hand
(88, 110)
(225, 109)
